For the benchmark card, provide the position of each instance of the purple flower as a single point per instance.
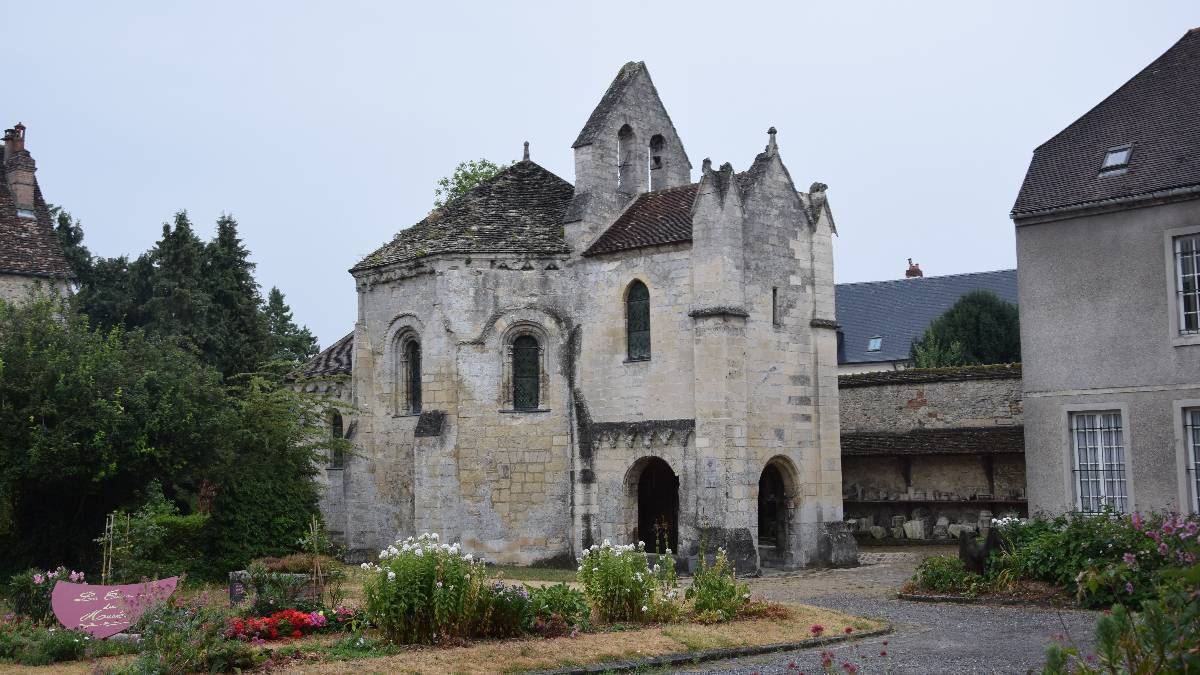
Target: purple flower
(1130, 559)
(1129, 587)
(1162, 548)
(1137, 521)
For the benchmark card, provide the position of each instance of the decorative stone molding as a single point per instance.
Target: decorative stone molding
(648, 433)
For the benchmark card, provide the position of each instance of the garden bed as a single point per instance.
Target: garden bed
(1023, 592)
(603, 646)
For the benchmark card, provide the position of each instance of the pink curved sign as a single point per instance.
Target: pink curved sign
(105, 611)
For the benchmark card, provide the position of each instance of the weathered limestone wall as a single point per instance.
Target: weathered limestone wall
(897, 403)
(16, 288)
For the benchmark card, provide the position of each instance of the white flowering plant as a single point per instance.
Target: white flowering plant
(715, 593)
(423, 591)
(617, 581)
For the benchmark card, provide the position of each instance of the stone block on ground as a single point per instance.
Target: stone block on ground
(878, 532)
(914, 529)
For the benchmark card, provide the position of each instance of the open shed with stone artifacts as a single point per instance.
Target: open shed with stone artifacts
(927, 454)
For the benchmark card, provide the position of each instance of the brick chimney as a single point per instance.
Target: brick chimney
(19, 169)
(913, 271)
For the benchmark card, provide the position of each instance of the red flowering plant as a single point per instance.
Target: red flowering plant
(287, 623)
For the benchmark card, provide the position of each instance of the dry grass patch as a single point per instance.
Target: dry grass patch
(536, 653)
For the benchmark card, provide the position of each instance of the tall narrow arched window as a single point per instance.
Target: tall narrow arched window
(337, 456)
(412, 375)
(625, 159)
(637, 321)
(656, 171)
(527, 372)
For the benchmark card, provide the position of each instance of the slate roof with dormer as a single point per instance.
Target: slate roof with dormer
(28, 246)
(519, 210)
(899, 310)
(1155, 112)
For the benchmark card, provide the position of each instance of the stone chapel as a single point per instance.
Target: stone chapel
(540, 366)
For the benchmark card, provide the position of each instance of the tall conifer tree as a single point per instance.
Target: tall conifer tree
(289, 342)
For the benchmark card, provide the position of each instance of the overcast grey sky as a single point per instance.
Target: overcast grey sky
(323, 127)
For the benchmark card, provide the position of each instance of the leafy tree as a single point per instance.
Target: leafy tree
(70, 237)
(929, 352)
(289, 342)
(466, 176)
(89, 417)
(235, 330)
(985, 327)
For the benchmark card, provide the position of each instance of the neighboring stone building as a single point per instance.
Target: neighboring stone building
(939, 445)
(1108, 252)
(540, 366)
(31, 259)
(878, 320)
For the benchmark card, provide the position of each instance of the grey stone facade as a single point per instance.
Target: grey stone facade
(1104, 220)
(742, 373)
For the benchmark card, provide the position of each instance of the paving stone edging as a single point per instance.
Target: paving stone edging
(684, 658)
(964, 600)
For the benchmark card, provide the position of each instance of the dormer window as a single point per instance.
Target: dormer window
(874, 344)
(1116, 160)
(26, 213)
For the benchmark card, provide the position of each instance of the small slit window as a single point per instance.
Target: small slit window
(412, 375)
(874, 344)
(337, 456)
(1116, 159)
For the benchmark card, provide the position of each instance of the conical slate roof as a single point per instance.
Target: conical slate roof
(520, 210)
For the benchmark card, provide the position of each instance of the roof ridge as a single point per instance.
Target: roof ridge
(919, 279)
(1116, 91)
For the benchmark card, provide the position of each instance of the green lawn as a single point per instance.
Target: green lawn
(522, 573)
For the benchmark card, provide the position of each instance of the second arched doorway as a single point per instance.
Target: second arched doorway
(658, 504)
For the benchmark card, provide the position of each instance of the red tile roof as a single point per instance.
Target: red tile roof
(659, 217)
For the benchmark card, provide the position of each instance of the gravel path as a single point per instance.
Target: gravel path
(928, 638)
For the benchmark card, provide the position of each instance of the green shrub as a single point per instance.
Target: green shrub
(557, 610)
(1162, 638)
(29, 591)
(186, 638)
(946, 574)
(1104, 558)
(155, 541)
(507, 611)
(425, 592)
(715, 592)
(617, 581)
(274, 591)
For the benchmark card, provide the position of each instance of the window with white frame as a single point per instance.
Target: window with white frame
(1099, 448)
(1191, 440)
(1187, 287)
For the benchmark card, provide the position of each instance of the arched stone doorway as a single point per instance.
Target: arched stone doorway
(777, 538)
(657, 504)
(772, 508)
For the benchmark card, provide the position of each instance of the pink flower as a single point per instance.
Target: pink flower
(1136, 518)
(1162, 548)
(51, 575)
(38, 579)
(1168, 528)
(1129, 558)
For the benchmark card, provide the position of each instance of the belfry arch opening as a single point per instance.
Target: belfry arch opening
(657, 490)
